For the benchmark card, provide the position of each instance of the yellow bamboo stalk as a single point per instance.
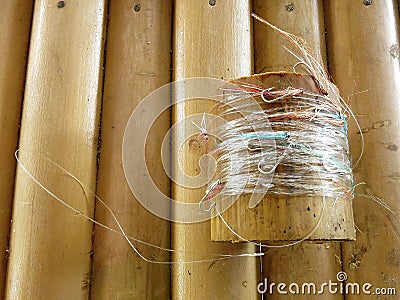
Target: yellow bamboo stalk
(50, 245)
(306, 262)
(15, 25)
(364, 59)
(277, 217)
(138, 62)
(212, 38)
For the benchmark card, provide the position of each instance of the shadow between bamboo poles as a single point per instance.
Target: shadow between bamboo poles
(364, 59)
(50, 245)
(211, 38)
(137, 62)
(15, 24)
(308, 261)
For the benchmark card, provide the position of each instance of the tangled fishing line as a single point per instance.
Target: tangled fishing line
(297, 144)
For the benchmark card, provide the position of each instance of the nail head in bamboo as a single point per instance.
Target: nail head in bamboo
(211, 39)
(364, 60)
(50, 245)
(15, 24)
(137, 63)
(283, 217)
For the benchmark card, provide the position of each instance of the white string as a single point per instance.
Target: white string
(120, 228)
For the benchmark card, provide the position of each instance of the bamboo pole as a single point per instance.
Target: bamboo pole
(308, 261)
(15, 25)
(212, 38)
(364, 46)
(138, 62)
(278, 218)
(50, 245)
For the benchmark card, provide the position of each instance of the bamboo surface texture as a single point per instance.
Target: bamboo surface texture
(211, 38)
(50, 245)
(138, 62)
(15, 27)
(364, 62)
(308, 261)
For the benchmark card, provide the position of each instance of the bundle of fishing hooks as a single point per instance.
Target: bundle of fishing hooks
(296, 144)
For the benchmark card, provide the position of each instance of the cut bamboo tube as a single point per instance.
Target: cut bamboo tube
(278, 217)
(364, 46)
(308, 261)
(15, 27)
(212, 38)
(50, 245)
(138, 62)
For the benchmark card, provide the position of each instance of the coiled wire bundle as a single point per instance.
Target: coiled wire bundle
(296, 144)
